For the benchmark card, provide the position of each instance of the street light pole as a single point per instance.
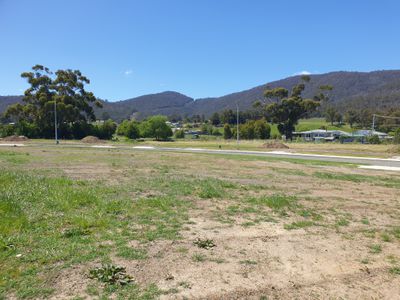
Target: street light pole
(55, 121)
(237, 125)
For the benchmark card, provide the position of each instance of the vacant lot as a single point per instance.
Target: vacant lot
(191, 226)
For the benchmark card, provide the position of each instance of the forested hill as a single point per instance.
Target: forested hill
(376, 90)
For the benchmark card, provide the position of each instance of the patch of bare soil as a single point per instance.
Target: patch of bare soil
(14, 138)
(275, 145)
(91, 140)
(71, 283)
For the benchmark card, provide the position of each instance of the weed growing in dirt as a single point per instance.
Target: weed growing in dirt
(395, 270)
(204, 243)
(386, 237)
(365, 221)
(342, 222)
(375, 248)
(298, 225)
(197, 257)
(248, 262)
(111, 274)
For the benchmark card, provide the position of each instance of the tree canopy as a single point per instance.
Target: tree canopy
(286, 108)
(66, 88)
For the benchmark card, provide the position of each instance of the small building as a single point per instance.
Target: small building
(321, 135)
(367, 133)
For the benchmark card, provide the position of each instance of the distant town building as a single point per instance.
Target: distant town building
(332, 135)
(320, 135)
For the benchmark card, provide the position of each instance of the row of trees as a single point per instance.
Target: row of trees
(250, 130)
(153, 127)
(77, 130)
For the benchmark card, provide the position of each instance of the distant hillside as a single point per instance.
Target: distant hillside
(166, 103)
(376, 90)
(5, 101)
(379, 89)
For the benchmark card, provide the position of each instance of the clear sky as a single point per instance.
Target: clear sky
(201, 48)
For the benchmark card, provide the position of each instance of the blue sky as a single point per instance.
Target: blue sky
(200, 48)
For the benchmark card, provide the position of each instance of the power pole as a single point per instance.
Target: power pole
(55, 122)
(237, 125)
(373, 122)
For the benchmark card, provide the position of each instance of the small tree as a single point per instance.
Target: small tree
(216, 132)
(106, 130)
(156, 127)
(123, 127)
(215, 120)
(246, 131)
(396, 137)
(262, 130)
(132, 130)
(179, 134)
(365, 118)
(66, 88)
(285, 109)
(351, 117)
(374, 139)
(331, 114)
(227, 132)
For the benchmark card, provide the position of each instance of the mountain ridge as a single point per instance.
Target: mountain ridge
(375, 90)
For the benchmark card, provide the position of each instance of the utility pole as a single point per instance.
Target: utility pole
(55, 122)
(237, 125)
(373, 122)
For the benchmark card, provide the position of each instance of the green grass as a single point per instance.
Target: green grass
(14, 157)
(48, 220)
(275, 202)
(298, 225)
(392, 182)
(317, 123)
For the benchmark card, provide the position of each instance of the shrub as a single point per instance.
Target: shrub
(122, 128)
(179, 134)
(396, 137)
(262, 130)
(7, 130)
(30, 130)
(132, 130)
(227, 132)
(216, 132)
(204, 243)
(105, 130)
(373, 139)
(111, 274)
(155, 127)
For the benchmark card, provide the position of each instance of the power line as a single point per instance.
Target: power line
(388, 117)
(381, 116)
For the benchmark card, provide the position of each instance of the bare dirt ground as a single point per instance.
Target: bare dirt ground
(344, 244)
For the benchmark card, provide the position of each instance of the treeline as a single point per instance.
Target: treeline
(77, 130)
(250, 130)
(153, 127)
(227, 116)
